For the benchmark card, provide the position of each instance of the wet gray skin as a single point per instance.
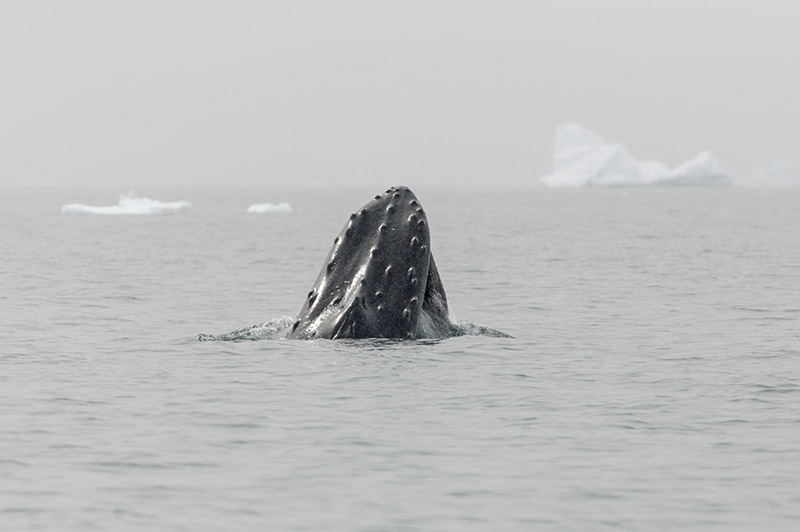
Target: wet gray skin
(379, 280)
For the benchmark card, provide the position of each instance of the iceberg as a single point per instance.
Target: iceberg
(128, 204)
(581, 158)
(774, 172)
(260, 208)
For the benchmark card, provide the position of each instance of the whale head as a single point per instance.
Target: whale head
(379, 279)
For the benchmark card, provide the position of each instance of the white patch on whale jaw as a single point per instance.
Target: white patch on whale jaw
(434, 324)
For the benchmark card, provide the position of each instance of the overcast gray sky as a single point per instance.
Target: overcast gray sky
(441, 92)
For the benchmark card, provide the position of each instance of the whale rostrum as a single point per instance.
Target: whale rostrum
(379, 279)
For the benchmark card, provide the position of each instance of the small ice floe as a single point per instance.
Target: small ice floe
(260, 208)
(581, 158)
(128, 204)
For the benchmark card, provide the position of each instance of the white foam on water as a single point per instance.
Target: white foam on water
(260, 208)
(128, 204)
(276, 329)
(581, 158)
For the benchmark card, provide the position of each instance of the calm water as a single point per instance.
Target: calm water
(653, 382)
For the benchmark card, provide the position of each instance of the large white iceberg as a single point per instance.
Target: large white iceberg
(775, 172)
(128, 204)
(260, 208)
(581, 158)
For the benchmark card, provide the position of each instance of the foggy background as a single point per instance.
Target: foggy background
(435, 92)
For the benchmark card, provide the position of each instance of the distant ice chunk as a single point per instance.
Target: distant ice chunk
(128, 204)
(581, 158)
(774, 172)
(259, 208)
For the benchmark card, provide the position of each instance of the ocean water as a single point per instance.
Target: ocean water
(652, 381)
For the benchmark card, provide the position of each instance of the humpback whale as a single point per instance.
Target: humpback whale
(379, 279)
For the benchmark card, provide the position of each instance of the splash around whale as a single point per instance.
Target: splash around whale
(380, 279)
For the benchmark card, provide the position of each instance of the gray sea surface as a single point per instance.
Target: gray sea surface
(652, 381)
